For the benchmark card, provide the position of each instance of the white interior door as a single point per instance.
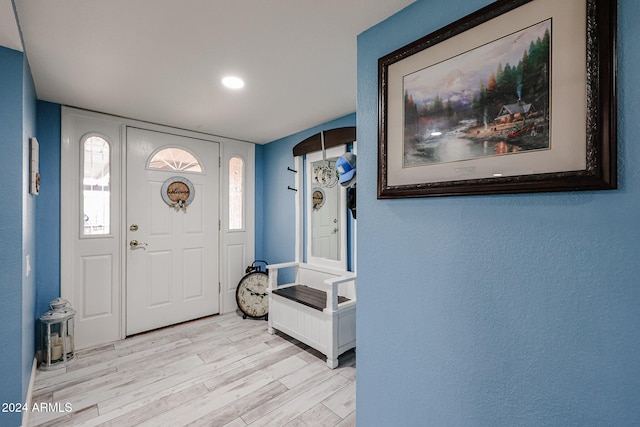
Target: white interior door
(324, 220)
(326, 230)
(172, 273)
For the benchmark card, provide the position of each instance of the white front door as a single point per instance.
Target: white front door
(172, 271)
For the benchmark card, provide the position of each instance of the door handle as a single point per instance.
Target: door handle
(135, 244)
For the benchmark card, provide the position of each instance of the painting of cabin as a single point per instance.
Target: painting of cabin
(509, 113)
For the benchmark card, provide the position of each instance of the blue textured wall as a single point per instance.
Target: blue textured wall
(275, 212)
(259, 201)
(17, 231)
(48, 208)
(498, 310)
(11, 230)
(28, 230)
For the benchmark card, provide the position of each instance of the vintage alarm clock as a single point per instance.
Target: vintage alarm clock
(251, 293)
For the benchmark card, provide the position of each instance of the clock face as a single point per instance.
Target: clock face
(251, 294)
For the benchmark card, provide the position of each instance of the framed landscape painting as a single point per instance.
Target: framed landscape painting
(516, 97)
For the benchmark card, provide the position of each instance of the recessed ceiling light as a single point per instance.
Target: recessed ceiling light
(233, 82)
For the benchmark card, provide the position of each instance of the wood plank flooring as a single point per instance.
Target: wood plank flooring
(218, 371)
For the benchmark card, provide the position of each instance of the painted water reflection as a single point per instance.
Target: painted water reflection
(471, 141)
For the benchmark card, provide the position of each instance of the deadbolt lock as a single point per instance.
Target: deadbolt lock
(133, 227)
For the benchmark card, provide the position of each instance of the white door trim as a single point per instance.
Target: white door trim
(341, 262)
(102, 315)
(237, 247)
(227, 146)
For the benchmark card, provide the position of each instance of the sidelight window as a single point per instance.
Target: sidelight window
(236, 193)
(96, 195)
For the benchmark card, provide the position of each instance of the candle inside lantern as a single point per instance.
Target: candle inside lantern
(56, 352)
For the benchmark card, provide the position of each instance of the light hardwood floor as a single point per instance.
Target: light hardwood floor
(218, 371)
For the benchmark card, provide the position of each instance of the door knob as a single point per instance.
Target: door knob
(135, 244)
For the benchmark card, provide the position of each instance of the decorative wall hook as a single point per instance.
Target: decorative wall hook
(291, 170)
(291, 188)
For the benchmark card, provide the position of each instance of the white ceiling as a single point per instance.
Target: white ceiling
(162, 60)
(9, 34)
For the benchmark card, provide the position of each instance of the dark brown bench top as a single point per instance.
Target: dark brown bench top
(310, 297)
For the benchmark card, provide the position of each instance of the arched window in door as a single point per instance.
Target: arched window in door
(175, 159)
(96, 182)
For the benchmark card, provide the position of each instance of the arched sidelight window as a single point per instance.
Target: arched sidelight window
(236, 193)
(96, 182)
(174, 159)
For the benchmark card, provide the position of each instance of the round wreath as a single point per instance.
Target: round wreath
(178, 192)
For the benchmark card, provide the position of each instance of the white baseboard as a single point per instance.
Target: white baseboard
(32, 380)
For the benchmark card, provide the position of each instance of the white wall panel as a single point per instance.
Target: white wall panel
(161, 219)
(192, 281)
(236, 259)
(96, 283)
(194, 216)
(160, 278)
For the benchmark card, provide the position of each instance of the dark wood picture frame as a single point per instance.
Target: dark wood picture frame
(595, 139)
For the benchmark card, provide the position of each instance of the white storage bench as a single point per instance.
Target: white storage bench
(318, 308)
